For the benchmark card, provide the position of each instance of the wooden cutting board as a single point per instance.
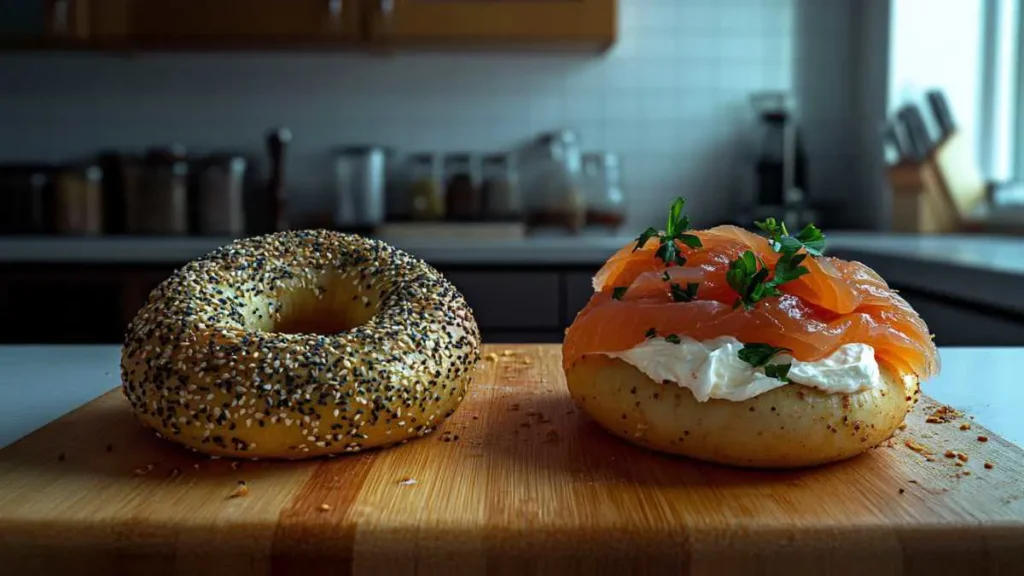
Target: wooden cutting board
(517, 482)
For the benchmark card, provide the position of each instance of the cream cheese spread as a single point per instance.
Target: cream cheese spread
(713, 369)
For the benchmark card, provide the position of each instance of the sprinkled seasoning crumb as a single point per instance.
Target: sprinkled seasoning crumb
(491, 357)
(982, 438)
(922, 450)
(240, 491)
(949, 454)
(989, 465)
(507, 353)
(407, 482)
(902, 426)
(961, 456)
(902, 490)
(325, 507)
(965, 426)
(943, 414)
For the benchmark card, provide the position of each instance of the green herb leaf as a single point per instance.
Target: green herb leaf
(748, 276)
(779, 371)
(641, 240)
(650, 333)
(665, 276)
(619, 291)
(670, 254)
(757, 354)
(673, 339)
(680, 294)
(813, 240)
(676, 221)
(810, 238)
(689, 239)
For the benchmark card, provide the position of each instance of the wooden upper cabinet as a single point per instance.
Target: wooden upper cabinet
(239, 23)
(581, 22)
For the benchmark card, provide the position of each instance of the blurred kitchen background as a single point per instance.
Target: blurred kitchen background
(514, 145)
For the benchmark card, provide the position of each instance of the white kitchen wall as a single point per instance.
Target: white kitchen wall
(671, 97)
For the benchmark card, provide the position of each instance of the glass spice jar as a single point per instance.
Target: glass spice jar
(426, 197)
(500, 188)
(606, 203)
(462, 195)
(554, 196)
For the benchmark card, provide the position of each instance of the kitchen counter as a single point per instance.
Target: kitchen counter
(40, 383)
(986, 270)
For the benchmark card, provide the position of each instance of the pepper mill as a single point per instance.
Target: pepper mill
(277, 139)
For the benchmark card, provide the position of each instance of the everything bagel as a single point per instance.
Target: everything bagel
(299, 344)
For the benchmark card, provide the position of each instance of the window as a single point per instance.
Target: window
(1001, 130)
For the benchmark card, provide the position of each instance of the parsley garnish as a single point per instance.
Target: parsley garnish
(810, 238)
(650, 333)
(748, 276)
(680, 294)
(758, 355)
(619, 292)
(675, 230)
(778, 371)
(673, 339)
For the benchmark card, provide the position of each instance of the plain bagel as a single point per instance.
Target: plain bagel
(299, 344)
(788, 427)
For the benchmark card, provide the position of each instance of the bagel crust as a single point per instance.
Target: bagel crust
(299, 344)
(788, 427)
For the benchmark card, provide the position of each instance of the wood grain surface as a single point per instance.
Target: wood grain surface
(517, 482)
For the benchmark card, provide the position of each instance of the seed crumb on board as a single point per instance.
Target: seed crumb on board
(407, 482)
(507, 353)
(325, 507)
(902, 490)
(492, 357)
(240, 491)
(902, 426)
(922, 450)
(982, 438)
(943, 414)
(965, 426)
(989, 465)
(961, 456)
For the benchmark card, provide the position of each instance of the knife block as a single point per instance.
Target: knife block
(919, 205)
(940, 194)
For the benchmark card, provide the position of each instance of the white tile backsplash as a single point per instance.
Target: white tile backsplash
(671, 96)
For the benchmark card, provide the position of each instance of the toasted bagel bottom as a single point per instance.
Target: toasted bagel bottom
(788, 427)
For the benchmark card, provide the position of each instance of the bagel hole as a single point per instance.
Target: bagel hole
(333, 308)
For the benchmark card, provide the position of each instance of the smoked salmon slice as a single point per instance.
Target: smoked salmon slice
(835, 302)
